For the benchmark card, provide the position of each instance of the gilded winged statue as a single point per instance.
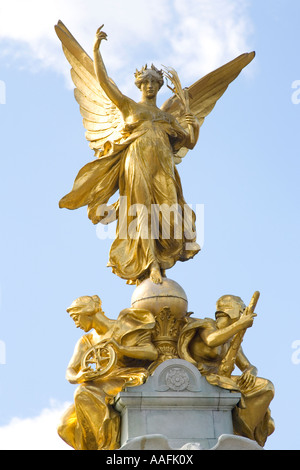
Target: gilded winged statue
(137, 147)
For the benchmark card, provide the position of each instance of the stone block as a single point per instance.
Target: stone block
(178, 403)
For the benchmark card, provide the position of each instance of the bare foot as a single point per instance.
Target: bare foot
(155, 274)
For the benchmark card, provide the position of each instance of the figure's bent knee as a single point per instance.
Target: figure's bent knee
(271, 394)
(270, 389)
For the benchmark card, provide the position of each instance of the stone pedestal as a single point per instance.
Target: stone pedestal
(178, 403)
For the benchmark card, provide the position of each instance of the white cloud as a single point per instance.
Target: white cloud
(209, 33)
(194, 36)
(36, 433)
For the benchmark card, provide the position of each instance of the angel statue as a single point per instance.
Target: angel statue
(137, 146)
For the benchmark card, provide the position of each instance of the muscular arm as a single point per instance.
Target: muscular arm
(243, 363)
(148, 353)
(214, 337)
(144, 350)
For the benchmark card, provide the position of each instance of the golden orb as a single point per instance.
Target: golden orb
(155, 297)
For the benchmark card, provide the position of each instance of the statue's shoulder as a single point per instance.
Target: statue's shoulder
(136, 318)
(199, 323)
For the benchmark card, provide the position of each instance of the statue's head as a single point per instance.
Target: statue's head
(229, 306)
(83, 309)
(145, 75)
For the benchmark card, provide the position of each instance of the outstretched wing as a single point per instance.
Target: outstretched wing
(204, 94)
(101, 118)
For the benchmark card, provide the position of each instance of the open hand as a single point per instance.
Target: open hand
(100, 35)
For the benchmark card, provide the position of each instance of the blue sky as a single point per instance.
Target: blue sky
(245, 170)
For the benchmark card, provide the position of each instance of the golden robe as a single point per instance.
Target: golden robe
(140, 165)
(91, 423)
(252, 416)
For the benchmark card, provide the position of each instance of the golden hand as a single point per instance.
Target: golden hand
(85, 375)
(246, 319)
(247, 379)
(100, 35)
(192, 120)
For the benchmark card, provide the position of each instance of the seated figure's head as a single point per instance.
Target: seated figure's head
(83, 309)
(229, 309)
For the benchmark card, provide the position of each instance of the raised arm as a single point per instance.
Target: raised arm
(216, 337)
(108, 86)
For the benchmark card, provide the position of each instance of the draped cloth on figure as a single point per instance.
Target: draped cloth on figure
(91, 423)
(252, 416)
(140, 165)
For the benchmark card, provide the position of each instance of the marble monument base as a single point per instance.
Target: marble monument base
(177, 409)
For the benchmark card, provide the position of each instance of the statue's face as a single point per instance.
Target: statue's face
(222, 320)
(82, 321)
(236, 310)
(150, 86)
(230, 314)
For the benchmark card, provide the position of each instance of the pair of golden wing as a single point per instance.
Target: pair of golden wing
(103, 120)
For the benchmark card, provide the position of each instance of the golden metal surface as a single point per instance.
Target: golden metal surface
(228, 362)
(155, 297)
(123, 352)
(137, 145)
(214, 346)
(115, 354)
(168, 303)
(101, 357)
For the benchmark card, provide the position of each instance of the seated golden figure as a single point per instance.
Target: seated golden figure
(214, 347)
(115, 354)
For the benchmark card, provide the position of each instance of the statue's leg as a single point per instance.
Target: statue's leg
(92, 411)
(67, 426)
(252, 417)
(155, 273)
